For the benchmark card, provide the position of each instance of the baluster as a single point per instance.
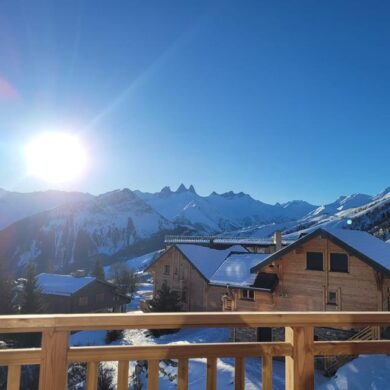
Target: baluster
(13, 377)
(92, 375)
(123, 375)
(153, 367)
(300, 366)
(267, 372)
(211, 373)
(239, 374)
(53, 370)
(182, 371)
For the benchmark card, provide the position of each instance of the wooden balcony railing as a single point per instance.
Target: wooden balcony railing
(299, 346)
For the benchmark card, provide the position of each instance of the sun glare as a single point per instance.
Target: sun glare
(56, 157)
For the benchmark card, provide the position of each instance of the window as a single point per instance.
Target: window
(167, 269)
(248, 294)
(100, 298)
(338, 262)
(83, 301)
(332, 298)
(314, 261)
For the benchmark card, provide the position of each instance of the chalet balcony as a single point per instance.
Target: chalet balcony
(299, 347)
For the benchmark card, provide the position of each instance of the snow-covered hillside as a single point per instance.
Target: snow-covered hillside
(73, 235)
(16, 205)
(122, 224)
(217, 213)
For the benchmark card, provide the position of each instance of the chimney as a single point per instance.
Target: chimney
(80, 273)
(278, 240)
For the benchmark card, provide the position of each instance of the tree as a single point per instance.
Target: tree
(31, 301)
(166, 300)
(98, 271)
(6, 293)
(113, 335)
(124, 278)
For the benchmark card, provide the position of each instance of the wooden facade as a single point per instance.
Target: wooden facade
(96, 296)
(174, 269)
(362, 287)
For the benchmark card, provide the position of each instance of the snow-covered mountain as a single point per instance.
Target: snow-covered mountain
(220, 212)
(342, 203)
(71, 236)
(122, 224)
(16, 205)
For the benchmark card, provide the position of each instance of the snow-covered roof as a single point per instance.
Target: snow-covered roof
(236, 269)
(207, 260)
(364, 243)
(62, 284)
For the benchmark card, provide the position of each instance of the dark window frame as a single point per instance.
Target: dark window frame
(331, 301)
(83, 301)
(331, 269)
(247, 295)
(167, 269)
(314, 268)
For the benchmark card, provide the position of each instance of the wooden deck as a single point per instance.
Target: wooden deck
(299, 347)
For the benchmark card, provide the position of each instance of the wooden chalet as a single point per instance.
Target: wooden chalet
(325, 270)
(76, 294)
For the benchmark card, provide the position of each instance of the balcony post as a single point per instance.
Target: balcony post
(300, 366)
(53, 370)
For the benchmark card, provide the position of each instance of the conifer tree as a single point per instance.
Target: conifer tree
(6, 293)
(166, 300)
(32, 301)
(98, 271)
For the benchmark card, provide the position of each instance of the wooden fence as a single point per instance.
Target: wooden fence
(299, 347)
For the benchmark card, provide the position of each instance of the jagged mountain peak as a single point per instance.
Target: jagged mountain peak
(233, 195)
(181, 188)
(191, 188)
(166, 190)
(117, 196)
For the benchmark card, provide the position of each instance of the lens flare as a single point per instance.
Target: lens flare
(56, 157)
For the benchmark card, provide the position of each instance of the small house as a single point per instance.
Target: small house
(73, 294)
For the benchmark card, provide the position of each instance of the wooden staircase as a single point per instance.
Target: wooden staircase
(333, 363)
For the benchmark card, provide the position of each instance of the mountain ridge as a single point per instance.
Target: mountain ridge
(122, 223)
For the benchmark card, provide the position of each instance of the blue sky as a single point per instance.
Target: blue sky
(282, 100)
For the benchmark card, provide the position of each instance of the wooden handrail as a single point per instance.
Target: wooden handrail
(108, 321)
(299, 348)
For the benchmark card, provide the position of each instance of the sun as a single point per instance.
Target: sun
(56, 157)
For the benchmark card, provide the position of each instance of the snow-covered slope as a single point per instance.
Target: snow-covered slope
(16, 205)
(217, 213)
(342, 203)
(122, 224)
(373, 216)
(74, 235)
